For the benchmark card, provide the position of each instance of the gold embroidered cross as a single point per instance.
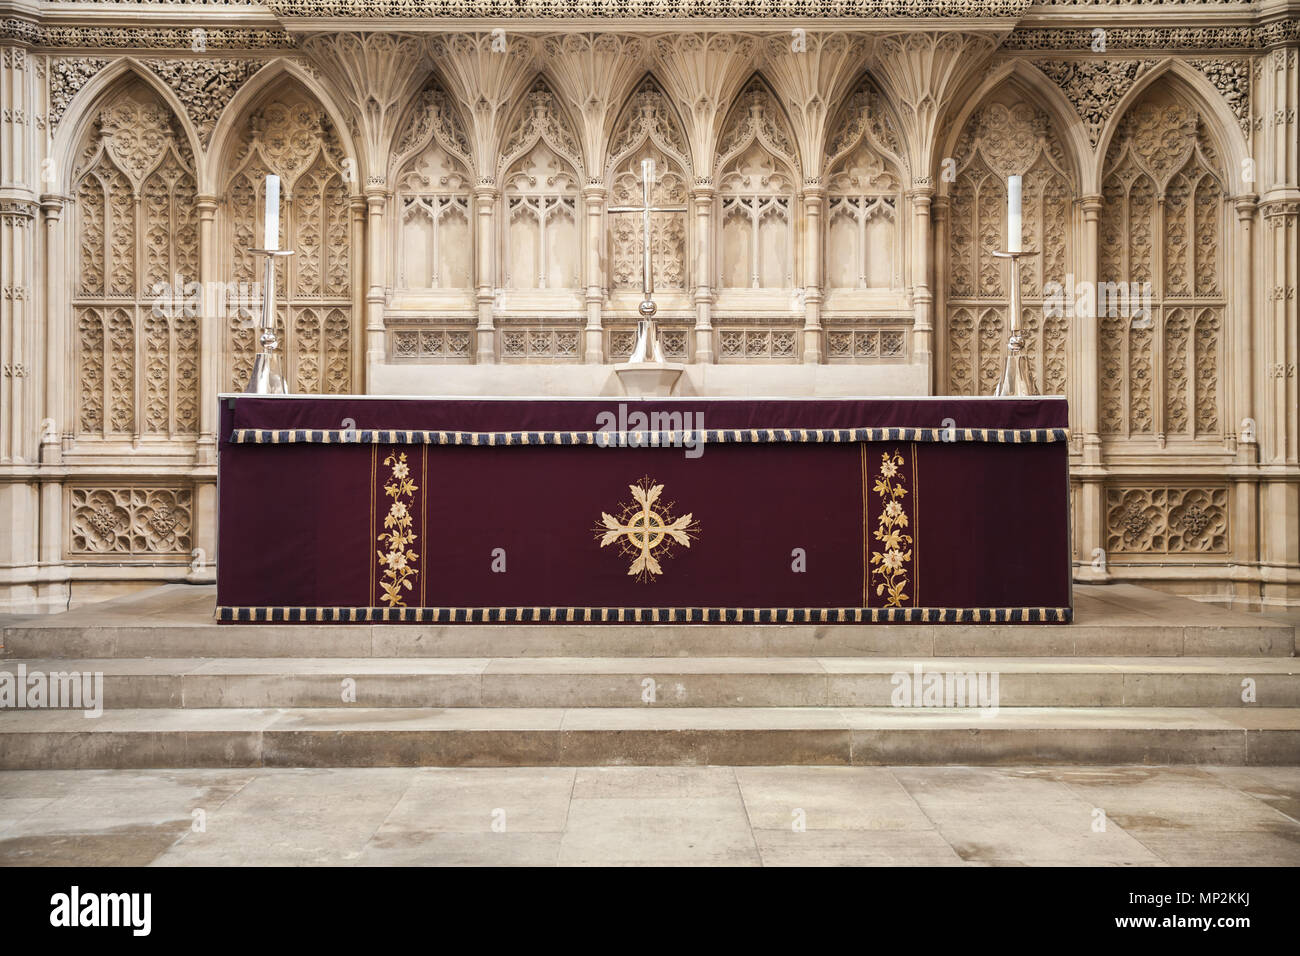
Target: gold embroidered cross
(642, 527)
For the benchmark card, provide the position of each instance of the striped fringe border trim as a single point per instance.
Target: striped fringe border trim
(641, 439)
(643, 615)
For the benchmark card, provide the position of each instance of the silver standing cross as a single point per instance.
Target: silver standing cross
(647, 307)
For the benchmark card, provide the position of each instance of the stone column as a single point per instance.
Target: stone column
(1090, 472)
(1280, 532)
(1088, 329)
(1279, 253)
(702, 203)
(54, 422)
(210, 331)
(593, 201)
(21, 338)
(922, 297)
(18, 343)
(814, 198)
(211, 317)
(376, 201)
(485, 204)
(1242, 321)
(357, 206)
(1242, 429)
(939, 209)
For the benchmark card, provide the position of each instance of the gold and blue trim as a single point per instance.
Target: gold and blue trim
(646, 438)
(644, 615)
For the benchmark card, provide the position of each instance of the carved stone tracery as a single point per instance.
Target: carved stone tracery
(757, 172)
(1161, 293)
(136, 520)
(138, 250)
(1006, 138)
(864, 203)
(291, 137)
(1094, 87)
(432, 175)
(204, 86)
(648, 128)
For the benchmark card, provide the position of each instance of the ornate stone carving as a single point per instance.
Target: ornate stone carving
(485, 79)
(1094, 87)
(1161, 40)
(204, 86)
(67, 76)
(1007, 138)
(291, 137)
(563, 344)
(440, 344)
(376, 73)
(763, 344)
(142, 38)
(1232, 79)
(865, 345)
(1160, 274)
(594, 72)
(646, 9)
(431, 175)
(649, 117)
(865, 116)
(132, 520)
(648, 128)
(757, 170)
(541, 120)
(433, 117)
(1165, 520)
(138, 238)
(864, 184)
(756, 116)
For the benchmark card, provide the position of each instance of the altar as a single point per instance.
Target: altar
(368, 508)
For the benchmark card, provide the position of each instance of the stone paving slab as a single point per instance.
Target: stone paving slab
(749, 816)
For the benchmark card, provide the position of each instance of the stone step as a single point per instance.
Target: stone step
(1109, 621)
(615, 640)
(381, 737)
(645, 683)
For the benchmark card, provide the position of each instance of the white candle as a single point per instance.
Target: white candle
(271, 237)
(1013, 214)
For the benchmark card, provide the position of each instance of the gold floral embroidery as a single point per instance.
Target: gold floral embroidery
(641, 527)
(891, 560)
(399, 560)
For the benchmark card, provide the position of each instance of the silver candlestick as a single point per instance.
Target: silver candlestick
(267, 377)
(1018, 373)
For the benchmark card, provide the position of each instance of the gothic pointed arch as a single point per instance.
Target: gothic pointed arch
(1163, 285)
(1008, 135)
(757, 172)
(865, 115)
(541, 117)
(286, 131)
(864, 176)
(648, 128)
(757, 116)
(433, 117)
(136, 358)
(540, 171)
(431, 173)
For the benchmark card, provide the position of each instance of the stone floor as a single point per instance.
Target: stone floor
(1105, 816)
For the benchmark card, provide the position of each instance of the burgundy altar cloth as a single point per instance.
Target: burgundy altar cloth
(783, 510)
